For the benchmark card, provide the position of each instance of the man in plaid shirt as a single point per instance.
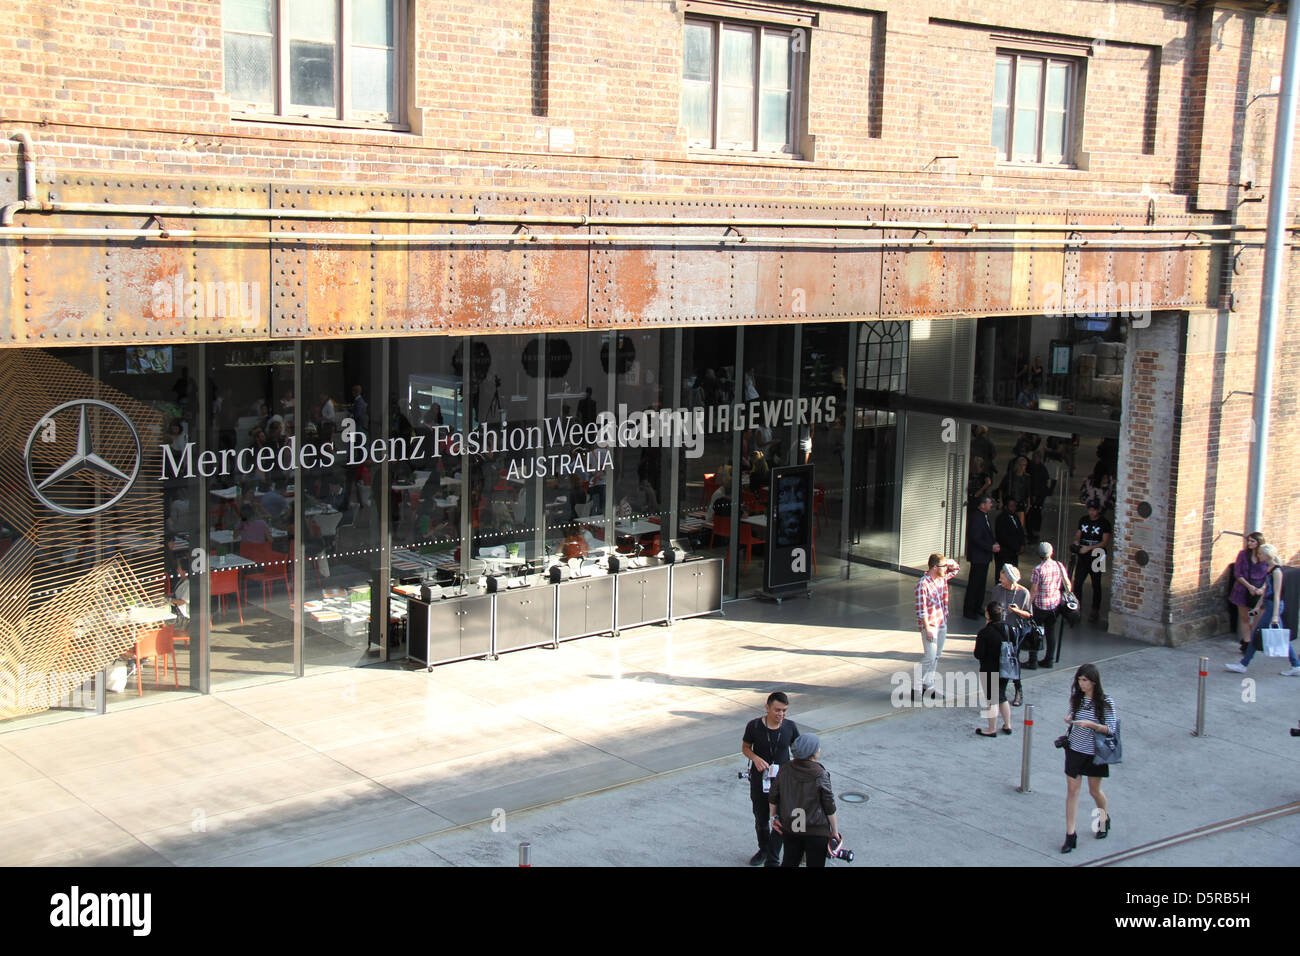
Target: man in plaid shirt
(1045, 587)
(932, 615)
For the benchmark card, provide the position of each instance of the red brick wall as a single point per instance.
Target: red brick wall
(136, 87)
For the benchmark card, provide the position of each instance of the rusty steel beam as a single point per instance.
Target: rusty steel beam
(601, 262)
(373, 215)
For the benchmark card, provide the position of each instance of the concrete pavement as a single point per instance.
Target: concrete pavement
(339, 766)
(940, 796)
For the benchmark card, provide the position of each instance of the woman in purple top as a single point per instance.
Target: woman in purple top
(1251, 573)
(252, 530)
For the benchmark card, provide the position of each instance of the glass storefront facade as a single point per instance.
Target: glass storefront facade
(286, 488)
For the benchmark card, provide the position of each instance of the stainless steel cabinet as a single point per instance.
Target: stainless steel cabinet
(584, 606)
(697, 587)
(458, 628)
(641, 596)
(525, 617)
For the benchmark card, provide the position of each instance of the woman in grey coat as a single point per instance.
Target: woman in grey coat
(802, 806)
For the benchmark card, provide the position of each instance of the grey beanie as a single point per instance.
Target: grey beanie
(1044, 549)
(1012, 572)
(805, 746)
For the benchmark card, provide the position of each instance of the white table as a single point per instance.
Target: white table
(327, 522)
(635, 526)
(227, 537)
(758, 521)
(138, 614)
(225, 494)
(224, 562)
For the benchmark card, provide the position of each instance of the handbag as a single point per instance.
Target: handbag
(1009, 661)
(1032, 637)
(1069, 603)
(1107, 748)
(1276, 640)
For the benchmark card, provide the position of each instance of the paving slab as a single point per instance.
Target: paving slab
(630, 749)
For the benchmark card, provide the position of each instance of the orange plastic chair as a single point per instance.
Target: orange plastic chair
(747, 541)
(721, 528)
(274, 569)
(226, 584)
(819, 504)
(156, 643)
(710, 486)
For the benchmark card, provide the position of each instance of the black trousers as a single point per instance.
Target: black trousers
(1047, 618)
(973, 606)
(1083, 571)
(801, 845)
(767, 840)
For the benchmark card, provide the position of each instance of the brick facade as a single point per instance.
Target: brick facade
(1177, 119)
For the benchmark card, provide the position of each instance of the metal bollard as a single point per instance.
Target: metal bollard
(526, 855)
(1025, 749)
(1203, 671)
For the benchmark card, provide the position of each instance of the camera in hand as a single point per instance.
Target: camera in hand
(836, 850)
(1061, 741)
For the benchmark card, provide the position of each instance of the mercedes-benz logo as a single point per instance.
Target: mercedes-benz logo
(125, 452)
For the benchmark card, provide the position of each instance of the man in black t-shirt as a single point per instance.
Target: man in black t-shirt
(1090, 543)
(766, 745)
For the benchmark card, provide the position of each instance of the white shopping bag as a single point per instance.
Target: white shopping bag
(1276, 641)
(116, 682)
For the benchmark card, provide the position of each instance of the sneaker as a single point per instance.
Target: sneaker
(1293, 672)
(758, 858)
(1235, 668)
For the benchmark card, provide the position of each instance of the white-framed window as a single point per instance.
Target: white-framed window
(741, 85)
(1034, 108)
(318, 60)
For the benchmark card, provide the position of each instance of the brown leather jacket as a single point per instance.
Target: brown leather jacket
(804, 784)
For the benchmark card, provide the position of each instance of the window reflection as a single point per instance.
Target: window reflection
(250, 531)
(705, 503)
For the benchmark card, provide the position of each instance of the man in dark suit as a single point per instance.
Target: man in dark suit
(1041, 485)
(1010, 533)
(981, 546)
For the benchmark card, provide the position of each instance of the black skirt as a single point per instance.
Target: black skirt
(987, 679)
(1077, 763)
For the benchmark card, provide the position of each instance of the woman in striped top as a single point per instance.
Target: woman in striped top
(1085, 723)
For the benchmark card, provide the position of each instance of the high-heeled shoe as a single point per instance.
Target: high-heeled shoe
(1071, 841)
(1102, 832)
